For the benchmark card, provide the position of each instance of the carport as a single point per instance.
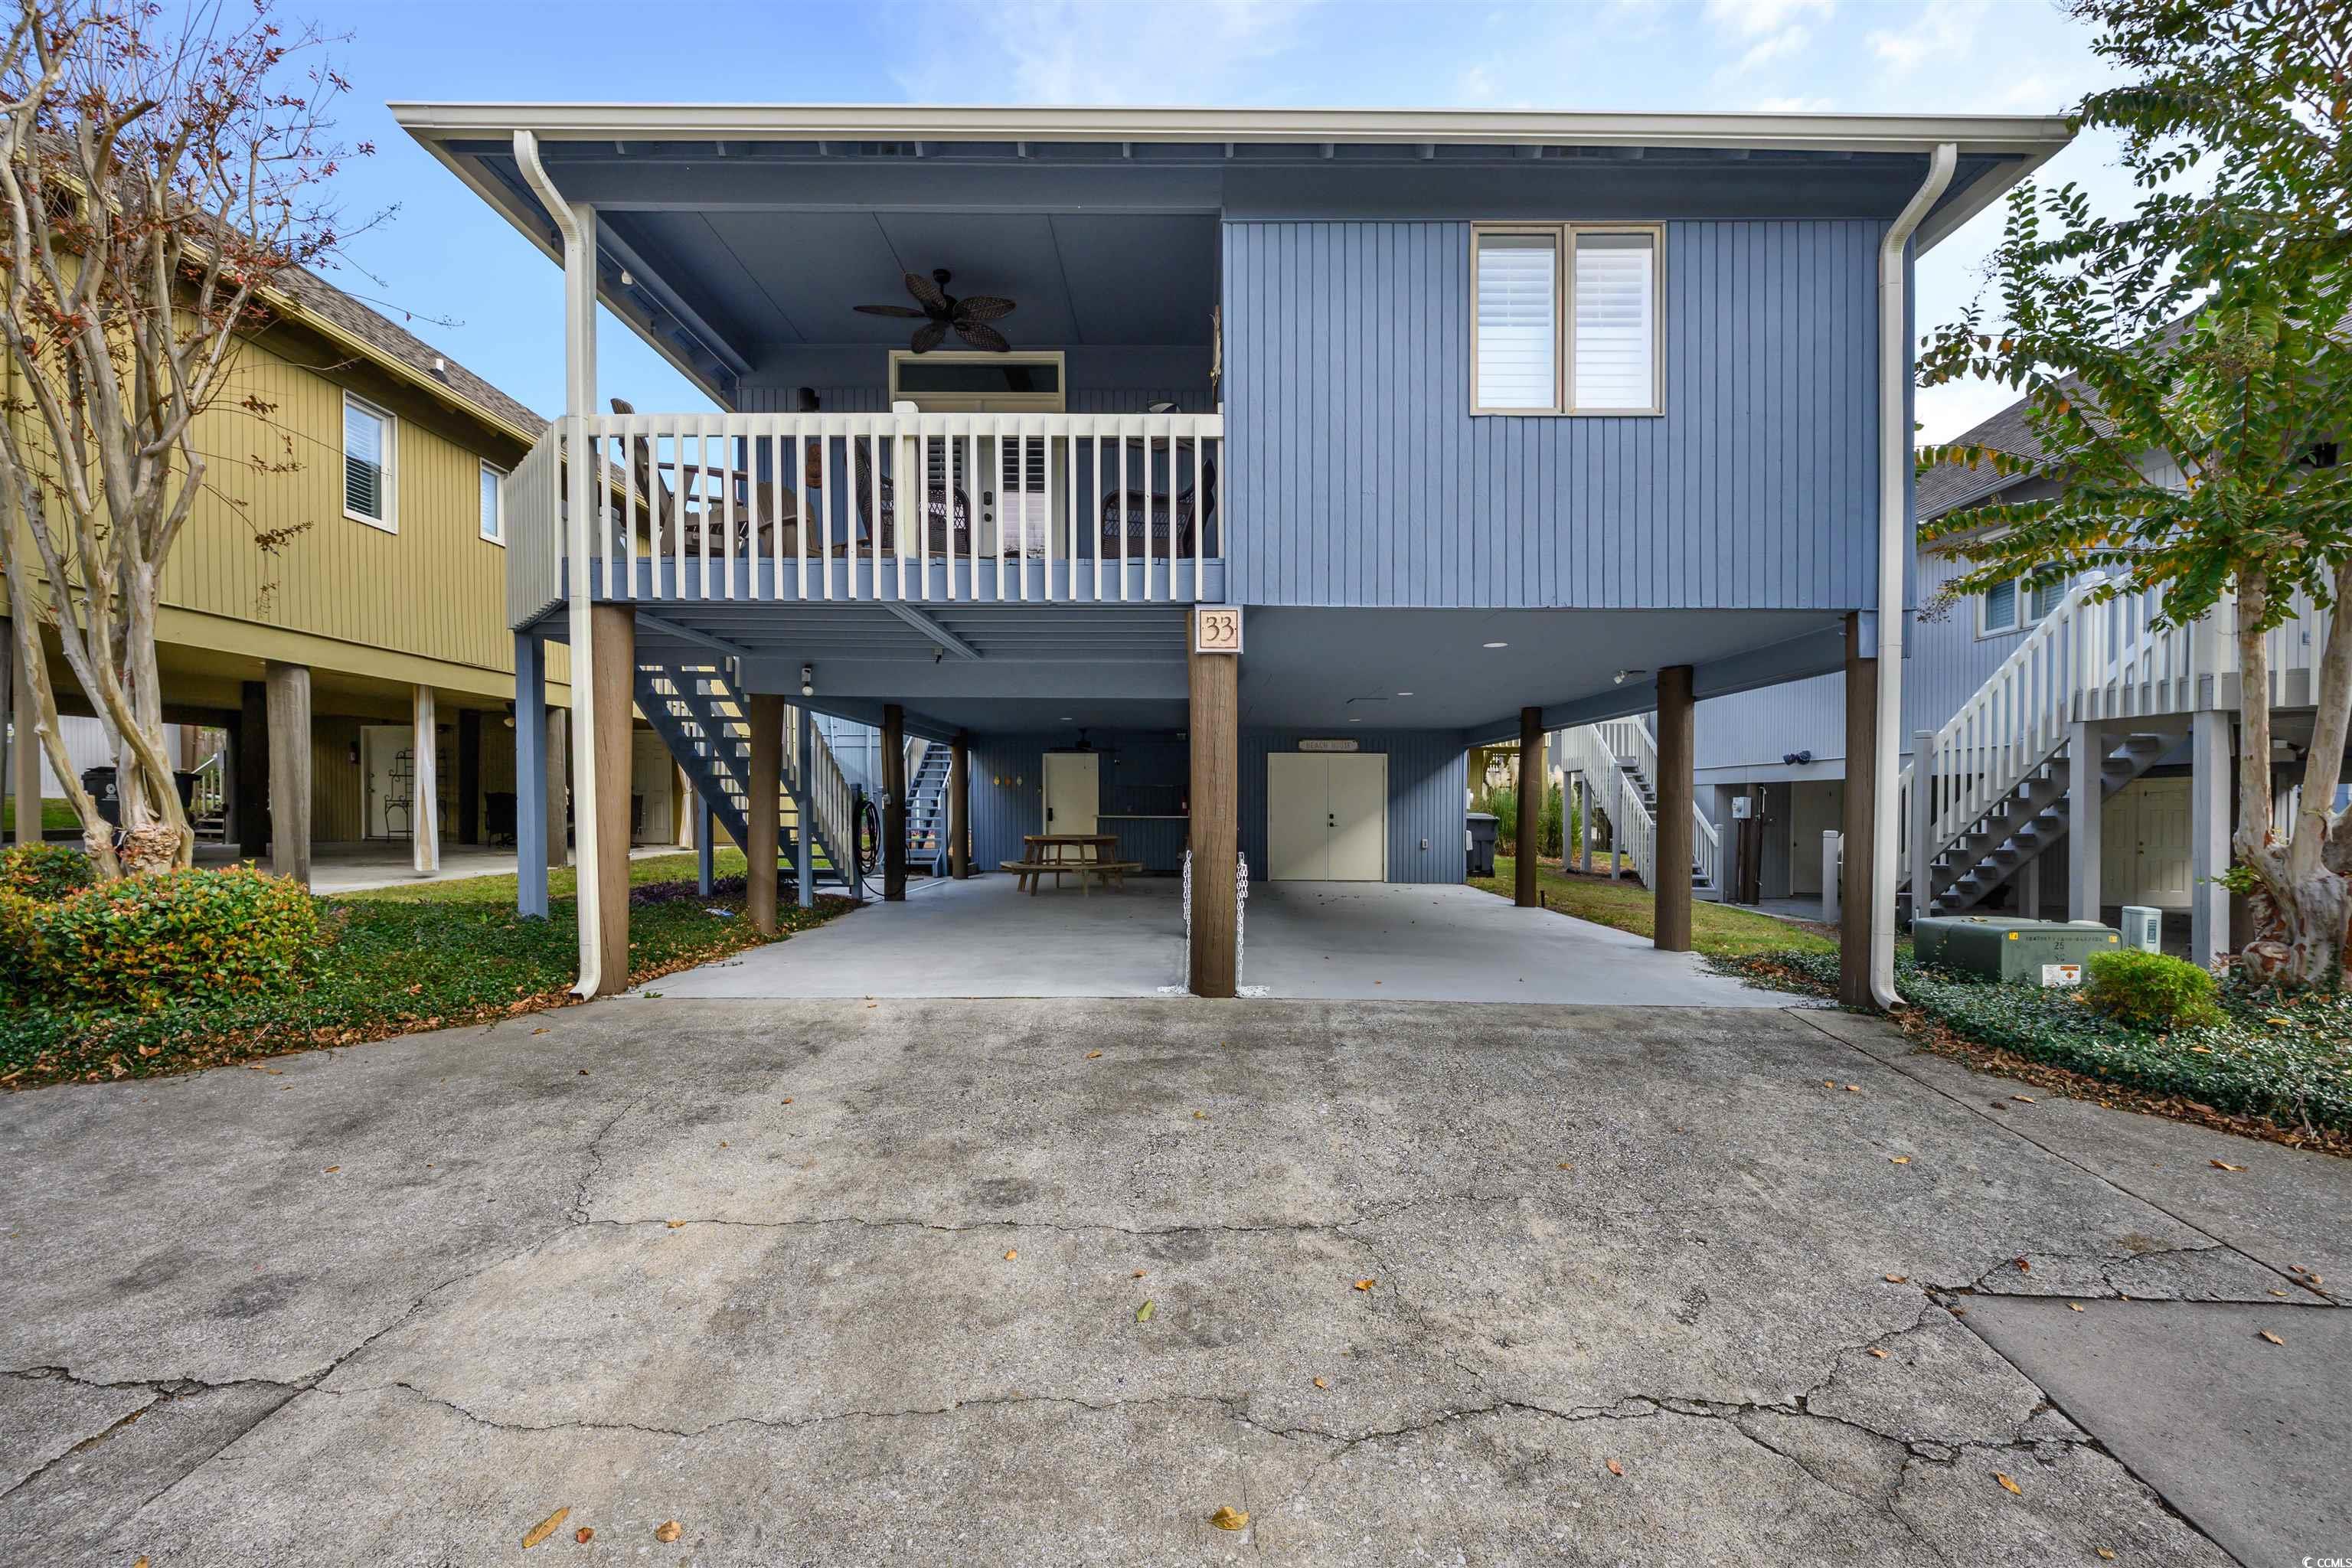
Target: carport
(1301, 940)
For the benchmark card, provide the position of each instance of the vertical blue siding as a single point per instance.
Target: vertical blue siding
(1359, 476)
(1429, 782)
(1428, 778)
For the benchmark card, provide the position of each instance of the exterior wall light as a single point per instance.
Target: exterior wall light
(808, 681)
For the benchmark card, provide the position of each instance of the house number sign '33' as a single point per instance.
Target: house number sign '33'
(1217, 628)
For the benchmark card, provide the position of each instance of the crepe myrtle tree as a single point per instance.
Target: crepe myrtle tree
(2206, 335)
(161, 181)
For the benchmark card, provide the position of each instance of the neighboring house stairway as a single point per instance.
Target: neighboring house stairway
(926, 809)
(1986, 794)
(1619, 761)
(702, 718)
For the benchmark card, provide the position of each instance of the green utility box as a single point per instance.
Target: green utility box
(2046, 953)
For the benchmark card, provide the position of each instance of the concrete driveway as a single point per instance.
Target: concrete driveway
(833, 1282)
(1326, 942)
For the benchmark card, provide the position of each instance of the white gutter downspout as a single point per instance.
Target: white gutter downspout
(580, 396)
(1894, 551)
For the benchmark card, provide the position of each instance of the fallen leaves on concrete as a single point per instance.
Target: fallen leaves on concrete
(1143, 1313)
(1615, 1469)
(2007, 1485)
(2271, 1337)
(668, 1531)
(1229, 1518)
(544, 1528)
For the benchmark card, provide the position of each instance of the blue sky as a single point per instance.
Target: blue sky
(445, 258)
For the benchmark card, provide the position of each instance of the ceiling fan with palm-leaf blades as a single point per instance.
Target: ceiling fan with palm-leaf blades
(942, 311)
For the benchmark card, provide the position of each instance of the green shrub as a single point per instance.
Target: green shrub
(44, 872)
(17, 938)
(190, 935)
(2150, 990)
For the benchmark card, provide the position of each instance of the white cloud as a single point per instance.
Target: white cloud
(1764, 51)
(1754, 18)
(1944, 29)
(1070, 51)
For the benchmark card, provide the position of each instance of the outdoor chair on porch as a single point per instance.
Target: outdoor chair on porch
(697, 521)
(1137, 523)
(947, 512)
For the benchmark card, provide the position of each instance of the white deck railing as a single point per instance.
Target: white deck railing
(1088, 507)
(1600, 752)
(2085, 662)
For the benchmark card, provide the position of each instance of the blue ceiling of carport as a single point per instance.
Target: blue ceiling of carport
(776, 278)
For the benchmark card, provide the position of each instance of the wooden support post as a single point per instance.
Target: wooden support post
(960, 808)
(531, 731)
(762, 783)
(2212, 763)
(24, 750)
(611, 682)
(802, 804)
(251, 805)
(894, 804)
(1859, 819)
(1214, 829)
(425, 808)
(2087, 754)
(469, 776)
(1525, 831)
(288, 703)
(1677, 783)
(705, 828)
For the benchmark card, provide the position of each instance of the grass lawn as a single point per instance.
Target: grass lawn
(57, 815)
(562, 882)
(395, 960)
(1716, 929)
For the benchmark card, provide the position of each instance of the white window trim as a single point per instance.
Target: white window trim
(1564, 317)
(1984, 628)
(500, 538)
(390, 522)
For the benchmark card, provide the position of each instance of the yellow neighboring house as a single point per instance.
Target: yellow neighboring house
(364, 666)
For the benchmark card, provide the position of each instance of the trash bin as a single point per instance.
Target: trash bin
(1484, 826)
(99, 783)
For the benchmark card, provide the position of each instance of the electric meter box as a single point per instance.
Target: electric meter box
(2045, 953)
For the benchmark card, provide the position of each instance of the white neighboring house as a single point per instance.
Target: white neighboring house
(2010, 686)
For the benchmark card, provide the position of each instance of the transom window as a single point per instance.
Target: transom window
(368, 464)
(493, 520)
(1566, 319)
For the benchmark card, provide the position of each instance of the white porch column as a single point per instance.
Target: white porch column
(425, 814)
(24, 749)
(2211, 754)
(2086, 749)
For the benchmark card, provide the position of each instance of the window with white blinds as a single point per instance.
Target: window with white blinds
(1518, 322)
(1615, 338)
(493, 518)
(1997, 610)
(367, 463)
(1581, 343)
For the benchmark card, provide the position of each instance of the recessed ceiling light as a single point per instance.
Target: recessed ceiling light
(1499, 645)
(1355, 721)
(1404, 694)
(1065, 718)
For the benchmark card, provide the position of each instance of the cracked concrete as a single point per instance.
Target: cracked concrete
(744, 1265)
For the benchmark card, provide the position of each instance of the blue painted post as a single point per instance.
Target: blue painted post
(531, 775)
(806, 751)
(705, 826)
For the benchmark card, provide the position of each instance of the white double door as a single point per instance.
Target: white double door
(1326, 816)
(2144, 845)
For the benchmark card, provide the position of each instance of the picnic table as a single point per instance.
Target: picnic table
(1086, 856)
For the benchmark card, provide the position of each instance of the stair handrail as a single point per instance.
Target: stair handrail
(2008, 727)
(817, 779)
(1593, 750)
(209, 795)
(1706, 843)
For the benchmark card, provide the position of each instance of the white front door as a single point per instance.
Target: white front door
(650, 771)
(1073, 791)
(391, 773)
(1326, 816)
(2119, 848)
(2163, 829)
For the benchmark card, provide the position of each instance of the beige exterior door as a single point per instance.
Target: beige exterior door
(1073, 791)
(388, 812)
(2163, 842)
(1326, 816)
(1360, 817)
(650, 775)
(1297, 817)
